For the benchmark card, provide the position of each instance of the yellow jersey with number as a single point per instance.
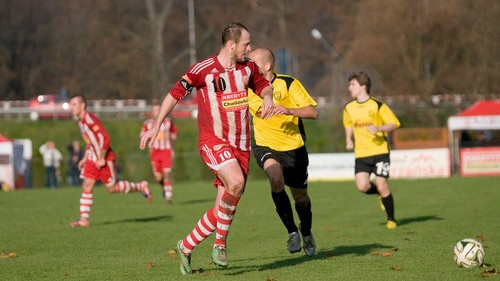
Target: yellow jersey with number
(358, 115)
(281, 132)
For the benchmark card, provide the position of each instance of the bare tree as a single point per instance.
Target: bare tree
(157, 18)
(132, 49)
(420, 45)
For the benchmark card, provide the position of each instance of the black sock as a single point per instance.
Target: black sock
(373, 189)
(305, 216)
(389, 207)
(284, 210)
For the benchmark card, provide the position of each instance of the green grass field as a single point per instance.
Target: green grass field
(130, 240)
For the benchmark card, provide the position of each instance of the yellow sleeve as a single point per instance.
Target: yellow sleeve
(300, 96)
(388, 116)
(346, 119)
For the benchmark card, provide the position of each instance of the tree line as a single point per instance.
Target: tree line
(138, 49)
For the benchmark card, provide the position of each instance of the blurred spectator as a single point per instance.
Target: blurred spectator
(75, 155)
(51, 161)
(484, 136)
(477, 138)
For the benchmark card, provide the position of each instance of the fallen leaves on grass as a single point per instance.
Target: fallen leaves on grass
(271, 279)
(395, 268)
(149, 265)
(488, 273)
(384, 254)
(172, 253)
(4, 255)
(481, 237)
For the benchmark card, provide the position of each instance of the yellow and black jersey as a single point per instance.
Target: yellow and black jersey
(282, 132)
(358, 115)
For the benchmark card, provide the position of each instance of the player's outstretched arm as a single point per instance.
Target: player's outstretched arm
(81, 163)
(166, 107)
(306, 112)
(386, 128)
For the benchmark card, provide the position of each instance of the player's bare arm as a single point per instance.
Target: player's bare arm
(82, 162)
(101, 161)
(386, 128)
(268, 107)
(349, 145)
(173, 137)
(306, 112)
(166, 107)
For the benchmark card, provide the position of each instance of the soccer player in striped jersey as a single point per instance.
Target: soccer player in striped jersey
(280, 149)
(369, 120)
(98, 162)
(223, 132)
(162, 151)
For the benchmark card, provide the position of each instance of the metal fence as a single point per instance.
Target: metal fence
(124, 108)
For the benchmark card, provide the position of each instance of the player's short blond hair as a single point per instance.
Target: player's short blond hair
(232, 32)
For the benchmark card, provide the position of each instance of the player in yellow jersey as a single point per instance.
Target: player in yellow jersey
(280, 150)
(369, 120)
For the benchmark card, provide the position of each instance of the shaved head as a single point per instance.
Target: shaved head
(264, 59)
(264, 55)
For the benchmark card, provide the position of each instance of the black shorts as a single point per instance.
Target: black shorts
(377, 164)
(294, 163)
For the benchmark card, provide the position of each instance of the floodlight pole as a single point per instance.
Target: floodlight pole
(336, 61)
(192, 37)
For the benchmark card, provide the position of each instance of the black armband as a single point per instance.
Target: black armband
(185, 84)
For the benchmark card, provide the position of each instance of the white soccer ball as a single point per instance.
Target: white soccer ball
(469, 253)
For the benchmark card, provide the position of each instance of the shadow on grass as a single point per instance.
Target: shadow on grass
(147, 219)
(196, 201)
(418, 219)
(358, 250)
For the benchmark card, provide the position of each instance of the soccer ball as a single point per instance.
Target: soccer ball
(469, 253)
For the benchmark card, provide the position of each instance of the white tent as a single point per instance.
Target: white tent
(6, 161)
(15, 162)
(483, 115)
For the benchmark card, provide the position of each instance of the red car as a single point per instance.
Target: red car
(49, 106)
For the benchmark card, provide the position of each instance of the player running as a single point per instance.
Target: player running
(280, 149)
(162, 151)
(369, 120)
(98, 162)
(223, 132)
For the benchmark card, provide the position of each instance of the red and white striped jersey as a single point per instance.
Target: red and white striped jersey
(95, 136)
(222, 99)
(163, 140)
